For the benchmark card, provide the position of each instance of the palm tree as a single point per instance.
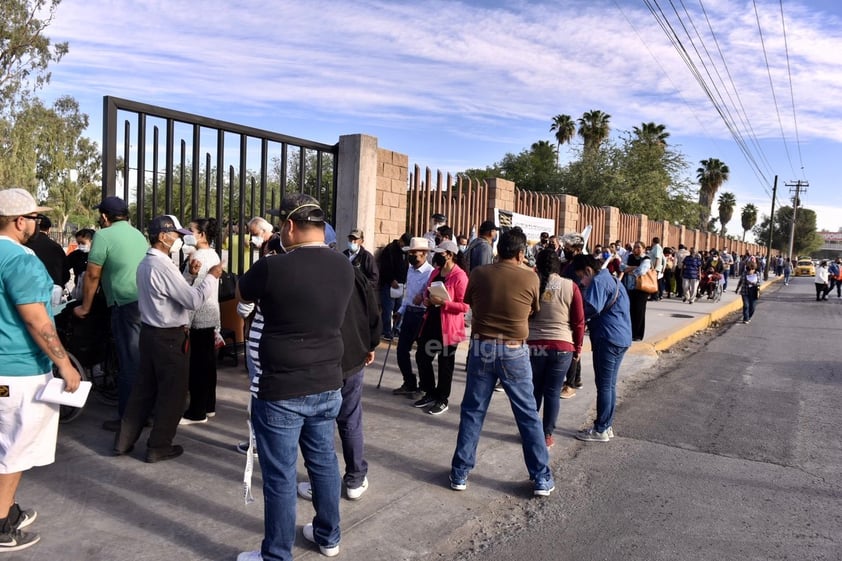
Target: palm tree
(565, 129)
(594, 128)
(711, 175)
(727, 202)
(650, 133)
(748, 218)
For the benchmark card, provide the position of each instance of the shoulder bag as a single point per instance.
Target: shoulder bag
(647, 282)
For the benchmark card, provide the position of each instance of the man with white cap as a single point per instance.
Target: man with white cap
(29, 345)
(410, 315)
(165, 299)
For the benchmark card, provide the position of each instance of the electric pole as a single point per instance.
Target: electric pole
(771, 230)
(798, 185)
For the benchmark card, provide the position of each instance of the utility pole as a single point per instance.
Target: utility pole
(771, 230)
(798, 185)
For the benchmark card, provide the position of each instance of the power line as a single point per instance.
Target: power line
(791, 92)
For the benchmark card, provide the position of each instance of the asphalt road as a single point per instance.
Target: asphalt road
(731, 450)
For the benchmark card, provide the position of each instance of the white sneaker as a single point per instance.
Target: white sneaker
(250, 556)
(357, 492)
(186, 421)
(327, 551)
(305, 491)
(610, 432)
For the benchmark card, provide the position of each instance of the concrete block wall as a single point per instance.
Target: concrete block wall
(390, 197)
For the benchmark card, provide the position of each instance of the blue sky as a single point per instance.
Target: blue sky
(459, 84)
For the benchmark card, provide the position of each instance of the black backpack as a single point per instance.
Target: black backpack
(227, 286)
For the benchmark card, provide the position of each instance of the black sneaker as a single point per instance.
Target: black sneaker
(424, 401)
(404, 390)
(20, 518)
(15, 540)
(437, 409)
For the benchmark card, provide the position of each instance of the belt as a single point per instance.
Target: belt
(498, 340)
(416, 309)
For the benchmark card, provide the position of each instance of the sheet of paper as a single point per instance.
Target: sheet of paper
(437, 289)
(54, 392)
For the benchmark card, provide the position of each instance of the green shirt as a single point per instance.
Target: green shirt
(118, 249)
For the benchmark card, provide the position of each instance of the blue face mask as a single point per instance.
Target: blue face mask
(353, 247)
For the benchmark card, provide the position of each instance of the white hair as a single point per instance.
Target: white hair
(261, 223)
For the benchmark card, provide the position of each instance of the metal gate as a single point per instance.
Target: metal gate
(170, 162)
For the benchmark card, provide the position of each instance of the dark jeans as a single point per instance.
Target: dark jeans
(573, 378)
(125, 327)
(548, 370)
(388, 306)
(749, 303)
(822, 290)
(350, 423)
(202, 379)
(668, 281)
(160, 389)
(637, 310)
(428, 349)
(679, 282)
(410, 328)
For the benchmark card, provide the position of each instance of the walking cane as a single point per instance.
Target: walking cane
(395, 332)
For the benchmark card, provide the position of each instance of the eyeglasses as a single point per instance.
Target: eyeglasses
(35, 218)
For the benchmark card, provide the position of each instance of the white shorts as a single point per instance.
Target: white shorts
(29, 427)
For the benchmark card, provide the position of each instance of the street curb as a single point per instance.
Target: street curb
(698, 325)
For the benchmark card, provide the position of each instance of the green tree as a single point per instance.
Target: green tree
(25, 52)
(806, 238)
(594, 129)
(533, 169)
(727, 202)
(650, 133)
(565, 130)
(711, 175)
(748, 218)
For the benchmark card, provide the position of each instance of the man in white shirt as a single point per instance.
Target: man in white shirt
(410, 316)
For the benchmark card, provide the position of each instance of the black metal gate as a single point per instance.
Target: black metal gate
(205, 167)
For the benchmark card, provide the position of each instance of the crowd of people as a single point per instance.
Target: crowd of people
(308, 344)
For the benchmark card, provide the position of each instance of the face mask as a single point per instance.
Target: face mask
(412, 260)
(353, 247)
(439, 260)
(190, 240)
(568, 254)
(188, 249)
(176, 246)
(256, 241)
(463, 248)
(494, 239)
(84, 248)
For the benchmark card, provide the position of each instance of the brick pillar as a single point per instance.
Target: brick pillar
(643, 231)
(612, 224)
(568, 219)
(390, 198)
(356, 186)
(501, 194)
(665, 239)
(682, 236)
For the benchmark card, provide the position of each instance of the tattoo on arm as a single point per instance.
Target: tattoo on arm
(54, 346)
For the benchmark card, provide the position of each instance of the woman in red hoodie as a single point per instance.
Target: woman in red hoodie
(443, 328)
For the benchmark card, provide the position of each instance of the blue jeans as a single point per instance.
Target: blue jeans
(787, 273)
(388, 306)
(350, 423)
(606, 365)
(549, 367)
(749, 303)
(410, 328)
(490, 361)
(125, 327)
(280, 427)
(725, 278)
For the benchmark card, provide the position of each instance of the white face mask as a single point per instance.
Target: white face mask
(176, 245)
(84, 248)
(190, 240)
(353, 247)
(463, 247)
(256, 241)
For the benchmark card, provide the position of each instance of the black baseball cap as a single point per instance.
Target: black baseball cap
(299, 207)
(113, 205)
(487, 226)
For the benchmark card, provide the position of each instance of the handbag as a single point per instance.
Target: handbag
(396, 293)
(647, 282)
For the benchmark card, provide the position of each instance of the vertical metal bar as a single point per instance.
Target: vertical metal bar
(220, 191)
(181, 178)
(208, 192)
(153, 210)
(241, 208)
(194, 179)
(168, 181)
(302, 164)
(264, 177)
(109, 147)
(127, 154)
(141, 171)
(284, 156)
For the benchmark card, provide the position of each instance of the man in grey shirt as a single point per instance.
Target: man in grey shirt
(481, 250)
(165, 300)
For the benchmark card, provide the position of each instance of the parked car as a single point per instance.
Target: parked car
(805, 268)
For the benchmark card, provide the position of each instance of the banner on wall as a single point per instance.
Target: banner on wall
(531, 225)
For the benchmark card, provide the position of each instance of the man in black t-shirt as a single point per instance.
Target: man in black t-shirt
(303, 294)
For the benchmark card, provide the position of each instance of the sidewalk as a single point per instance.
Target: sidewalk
(95, 507)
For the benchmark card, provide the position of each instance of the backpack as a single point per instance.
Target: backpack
(227, 286)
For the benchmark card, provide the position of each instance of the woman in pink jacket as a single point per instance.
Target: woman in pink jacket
(443, 328)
